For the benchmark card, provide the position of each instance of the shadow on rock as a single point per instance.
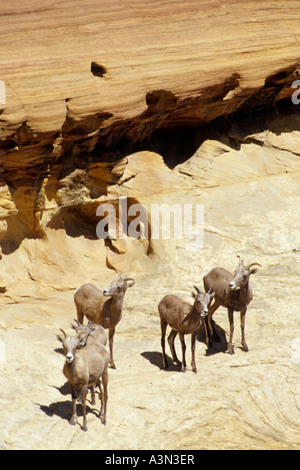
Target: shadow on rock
(155, 358)
(63, 409)
(217, 346)
(64, 389)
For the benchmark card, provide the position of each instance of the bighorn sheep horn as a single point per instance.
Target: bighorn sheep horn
(241, 263)
(253, 264)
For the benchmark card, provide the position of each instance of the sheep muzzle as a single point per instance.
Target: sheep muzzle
(69, 358)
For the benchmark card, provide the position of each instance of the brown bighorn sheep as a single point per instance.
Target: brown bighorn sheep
(89, 334)
(232, 291)
(184, 319)
(82, 368)
(92, 303)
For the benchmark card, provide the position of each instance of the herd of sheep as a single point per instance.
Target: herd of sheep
(87, 357)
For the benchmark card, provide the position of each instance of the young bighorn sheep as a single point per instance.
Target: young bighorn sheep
(82, 368)
(184, 319)
(92, 303)
(232, 291)
(89, 334)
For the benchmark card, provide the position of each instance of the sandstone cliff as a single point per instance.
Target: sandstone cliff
(182, 103)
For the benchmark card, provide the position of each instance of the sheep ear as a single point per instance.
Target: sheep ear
(212, 295)
(194, 295)
(130, 284)
(253, 271)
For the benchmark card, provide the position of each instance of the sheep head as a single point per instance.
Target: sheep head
(203, 300)
(70, 344)
(241, 274)
(119, 285)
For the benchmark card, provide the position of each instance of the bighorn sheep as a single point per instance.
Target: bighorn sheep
(232, 291)
(91, 302)
(184, 319)
(82, 368)
(89, 334)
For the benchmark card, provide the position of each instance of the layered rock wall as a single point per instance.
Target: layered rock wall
(109, 74)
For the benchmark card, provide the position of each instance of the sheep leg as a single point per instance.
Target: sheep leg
(74, 399)
(183, 347)
(212, 332)
(104, 395)
(193, 342)
(111, 333)
(79, 313)
(84, 392)
(207, 333)
(101, 398)
(93, 400)
(171, 339)
(243, 317)
(163, 325)
(230, 347)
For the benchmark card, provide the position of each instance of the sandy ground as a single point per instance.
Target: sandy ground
(245, 401)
